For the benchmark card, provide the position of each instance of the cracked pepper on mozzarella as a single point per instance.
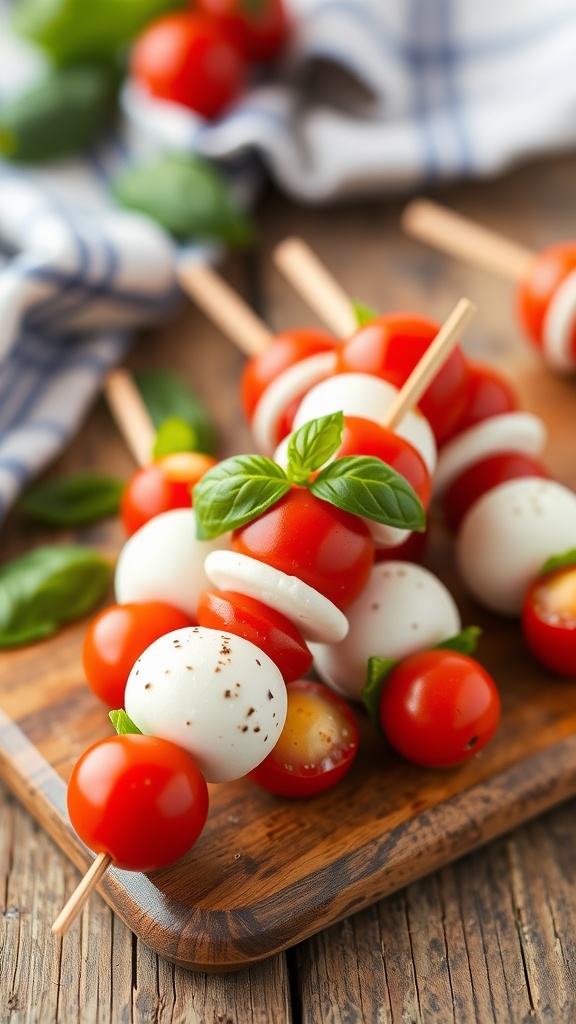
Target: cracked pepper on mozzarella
(213, 693)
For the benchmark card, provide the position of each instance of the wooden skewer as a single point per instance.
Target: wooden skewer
(428, 366)
(315, 283)
(98, 868)
(130, 413)
(461, 237)
(225, 308)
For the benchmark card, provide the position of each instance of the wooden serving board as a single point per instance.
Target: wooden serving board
(268, 872)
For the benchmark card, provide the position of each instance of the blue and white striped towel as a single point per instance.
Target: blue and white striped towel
(427, 89)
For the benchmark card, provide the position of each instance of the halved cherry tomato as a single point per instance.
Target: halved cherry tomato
(365, 437)
(140, 799)
(317, 744)
(390, 347)
(271, 631)
(117, 637)
(439, 708)
(163, 485)
(185, 58)
(286, 349)
(259, 28)
(330, 550)
(489, 394)
(549, 620)
(481, 477)
(547, 272)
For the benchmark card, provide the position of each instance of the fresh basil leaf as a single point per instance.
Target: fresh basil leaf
(236, 491)
(369, 487)
(564, 561)
(175, 435)
(377, 672)
(73, 500)
(123, 724)
(364, 314)
(313, 444)
(464, 642)
(47, 587)
(167, 396)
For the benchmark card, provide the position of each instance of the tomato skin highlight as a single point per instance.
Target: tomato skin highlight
(317, 745)
(116, 638)
(268, 629)
(161, 486)
(286, 349)
(481, 477)
(325, 547)
(549, 620)
(546, 273)
(259, 31)
(439, 708)
(140, 799)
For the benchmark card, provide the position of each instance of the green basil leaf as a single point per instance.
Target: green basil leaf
(313, 444)
(236, 491)
(73, 500)
(123, 724)
(368, 487)
(364, 314)
(464, 642)
(377, 672)
(175, 435)
(47, 587)
(167, 396)
(563, 561)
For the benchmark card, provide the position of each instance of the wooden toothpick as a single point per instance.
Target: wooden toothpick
(314, 282)
(130, 414)
(225, 308)
(98, 868)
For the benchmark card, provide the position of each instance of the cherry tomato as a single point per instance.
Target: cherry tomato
(317, 744)
(259, 29)
(271, 631)
(439, 708)
(549, 620)
(390, 347)
(330, 550)
(185, 58)
(548, 270)
(163, 485)
(489, 394)
(365, 437)
(117, 637)
(481, 477)
(285, 350)
(140, 799)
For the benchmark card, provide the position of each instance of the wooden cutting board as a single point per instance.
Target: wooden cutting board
(268, 872)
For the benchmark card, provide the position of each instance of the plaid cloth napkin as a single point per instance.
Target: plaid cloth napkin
(374, 96)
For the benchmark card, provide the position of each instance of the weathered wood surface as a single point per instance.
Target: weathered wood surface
(486, 939)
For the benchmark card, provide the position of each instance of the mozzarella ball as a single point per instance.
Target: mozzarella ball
(508, 534)
(510, 432)
(403, 609)
(164, 561)
(215, 694)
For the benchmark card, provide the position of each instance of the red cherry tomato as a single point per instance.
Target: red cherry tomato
(489, 394)
(285, 350)
(259, 30)
(317, 744)
(481, 477)
(548, 270)
(185, 58)
(390, 347)
(549, 620)
(140, 799)
(271, 631)
(117, 637)
(439, 708)
(365, 437)
(330, 550)
(163, 485)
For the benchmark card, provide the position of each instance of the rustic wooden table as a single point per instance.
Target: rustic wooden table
(490, 938)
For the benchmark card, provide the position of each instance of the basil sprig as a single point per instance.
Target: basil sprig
(47, 587)
(73, 500)
(364, 314)
(563, 561)
(243, 487)
(168, 397)
(175, 435)
(123, 723)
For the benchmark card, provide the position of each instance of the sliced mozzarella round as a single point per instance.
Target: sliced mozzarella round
(359, 394)
(164, 561)
(509, 432)
(282, 391)
(559, 325)
(508, 534)
(215, 694)
(313, 614)
(404, 609)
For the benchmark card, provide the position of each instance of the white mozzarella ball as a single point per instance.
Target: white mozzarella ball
(359, 394)
(215, 694)
(403, 609)
(164, 561)
(510, 432)
(508, 534)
